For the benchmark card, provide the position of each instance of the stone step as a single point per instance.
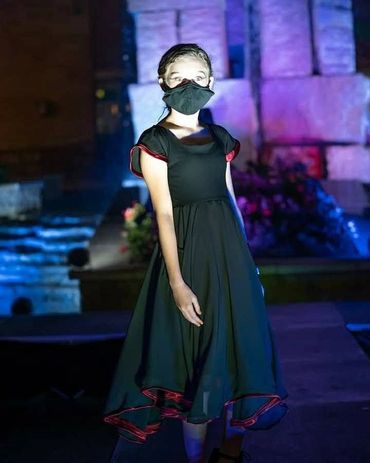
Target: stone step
(284, 280)
(31, 244)
(41, 298)
(12, 257)
(47, 233)
(43, 274)
(34, 256)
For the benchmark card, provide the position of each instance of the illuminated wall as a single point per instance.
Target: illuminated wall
(222, 32)
(298, 95)
(311, 95)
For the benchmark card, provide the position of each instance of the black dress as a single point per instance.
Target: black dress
(168, 366)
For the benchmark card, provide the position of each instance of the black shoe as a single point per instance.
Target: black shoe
(243, 455)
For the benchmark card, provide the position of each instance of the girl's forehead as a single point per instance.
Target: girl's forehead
(186, 64)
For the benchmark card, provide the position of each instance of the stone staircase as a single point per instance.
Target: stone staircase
(34, 261)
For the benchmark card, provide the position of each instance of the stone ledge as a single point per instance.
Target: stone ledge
(284, 281)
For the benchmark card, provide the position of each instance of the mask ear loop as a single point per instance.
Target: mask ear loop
(164, 86)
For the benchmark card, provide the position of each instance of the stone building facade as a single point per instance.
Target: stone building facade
(299, 95)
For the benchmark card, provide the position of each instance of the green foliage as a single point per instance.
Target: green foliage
(139, 232)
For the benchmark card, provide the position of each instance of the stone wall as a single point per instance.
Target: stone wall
(310, 91)
(207, 27)
(285, 38)
(162, 24)
(350, 162)
(300, 58)
(315, 109)
(152, 42)
(46, 85)
(333, 36)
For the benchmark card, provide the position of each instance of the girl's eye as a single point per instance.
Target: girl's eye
(200, 80)
(179, 79)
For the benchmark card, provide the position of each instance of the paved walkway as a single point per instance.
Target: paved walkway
(326, 373)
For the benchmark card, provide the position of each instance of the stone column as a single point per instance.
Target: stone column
(285, 38)
(163, 23)
(206, 27)
(155, 33)
(333, 36)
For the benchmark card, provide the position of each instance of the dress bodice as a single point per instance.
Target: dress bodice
(195, 171)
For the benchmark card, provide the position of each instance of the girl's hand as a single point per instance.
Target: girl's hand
(186, 300)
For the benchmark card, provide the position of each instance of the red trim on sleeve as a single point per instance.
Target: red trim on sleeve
(232, 154)
(147, 150)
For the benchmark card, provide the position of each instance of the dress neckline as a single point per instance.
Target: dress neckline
(191, 144)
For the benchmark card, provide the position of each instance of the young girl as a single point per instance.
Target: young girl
(199, 345)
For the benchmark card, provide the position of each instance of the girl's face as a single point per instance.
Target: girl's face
(187, 67)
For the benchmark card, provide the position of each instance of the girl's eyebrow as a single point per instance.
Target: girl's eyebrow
(176, 72)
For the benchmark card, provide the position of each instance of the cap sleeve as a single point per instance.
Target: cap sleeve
(150, 141)
(230, 144)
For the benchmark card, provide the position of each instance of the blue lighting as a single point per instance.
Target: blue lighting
(88, 232)
(34, 261)
(10, 257)
(357, 327)
(18, 231)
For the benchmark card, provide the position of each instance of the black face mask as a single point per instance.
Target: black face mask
(187, 98)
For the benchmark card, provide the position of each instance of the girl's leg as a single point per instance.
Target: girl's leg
(118, 453)
(194, 439)
(232, 438)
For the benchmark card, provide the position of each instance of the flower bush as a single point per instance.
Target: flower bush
(139, 232)
(287, 213)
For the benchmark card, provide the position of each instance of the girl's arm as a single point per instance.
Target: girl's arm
(155, 176)
(230, 187)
